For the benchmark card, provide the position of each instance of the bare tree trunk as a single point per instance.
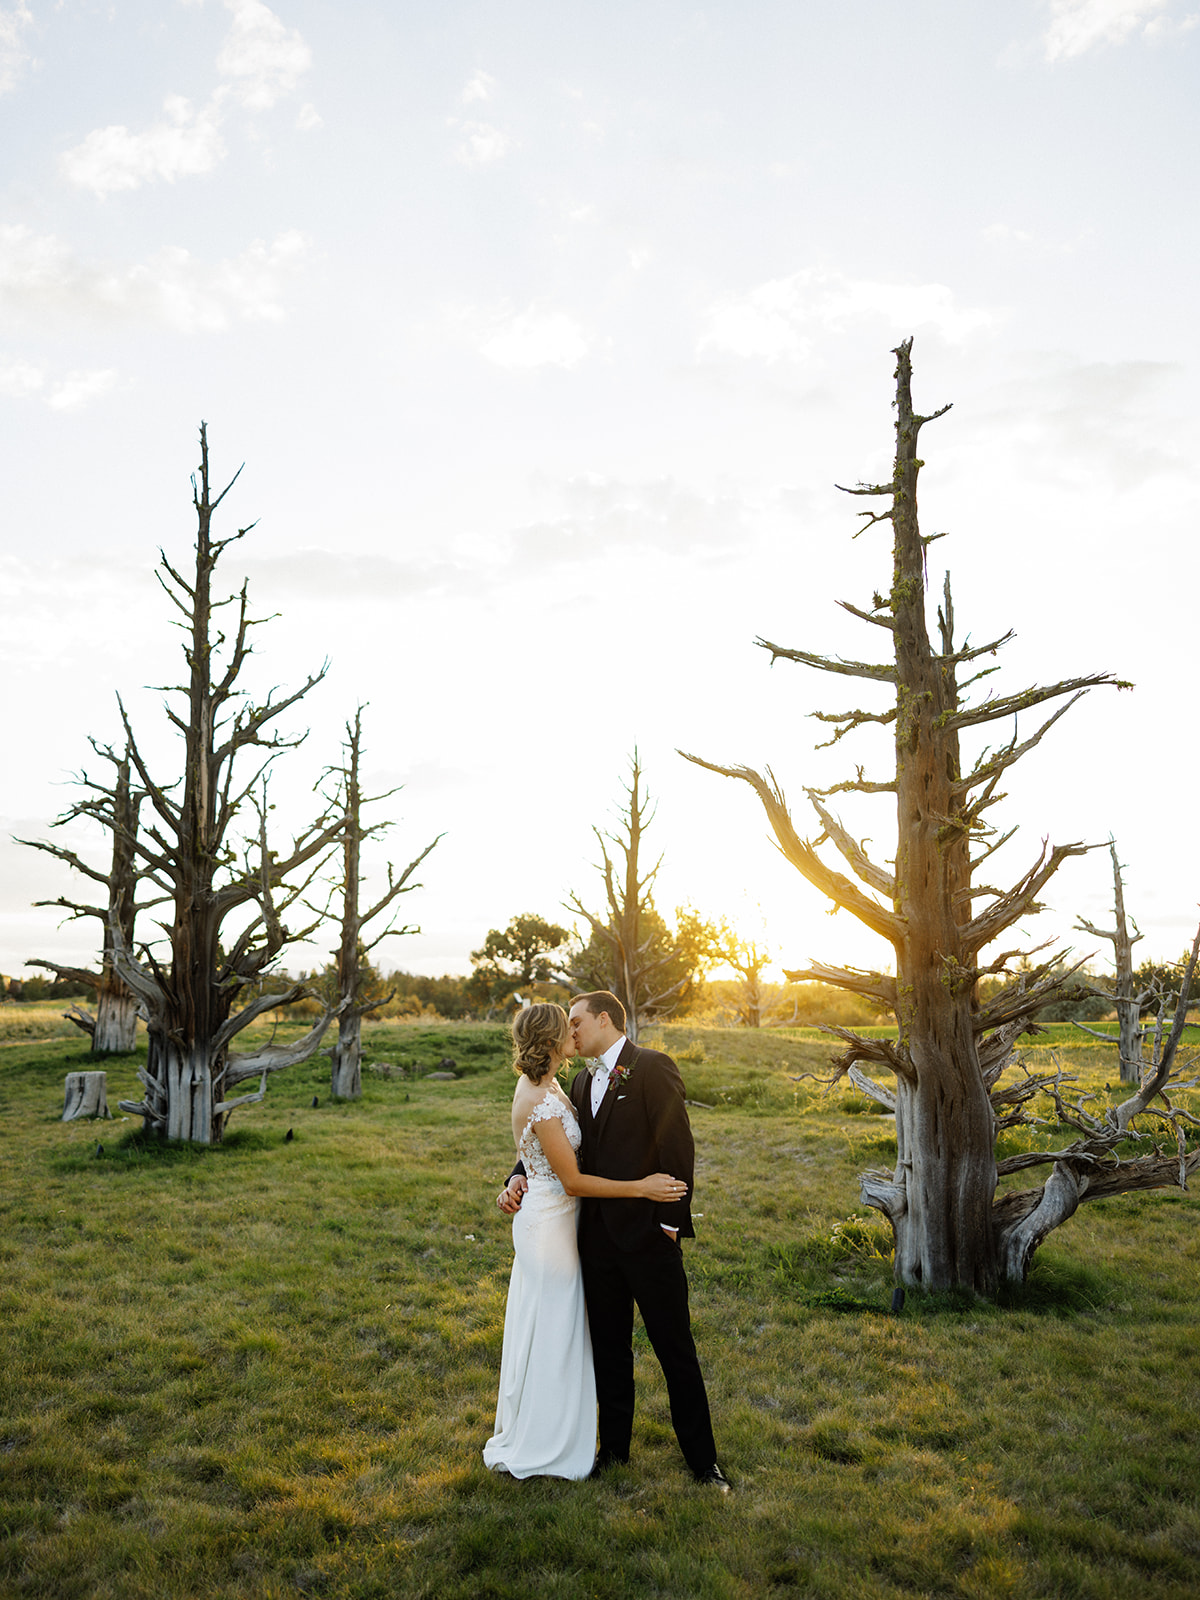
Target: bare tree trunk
(115, 1031)
(188, 855)
(352, 953)
(1128, 1003)
(187, 1074)
(940, 1198)
(629, 989)
(940, 1210)
(85, 1095)
(639, 959)
(346, 1057)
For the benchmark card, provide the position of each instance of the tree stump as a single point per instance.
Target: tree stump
(86, 1095)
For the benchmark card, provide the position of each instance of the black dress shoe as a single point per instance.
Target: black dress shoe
(717, 1478)
(607, 1459)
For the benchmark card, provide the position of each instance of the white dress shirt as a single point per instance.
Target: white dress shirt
(601, 1075)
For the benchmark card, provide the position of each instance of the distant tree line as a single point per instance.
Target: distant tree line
(43, 988)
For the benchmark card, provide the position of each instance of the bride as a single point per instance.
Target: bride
(546, 1407)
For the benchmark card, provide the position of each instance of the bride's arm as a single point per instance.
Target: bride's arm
(658, 1186)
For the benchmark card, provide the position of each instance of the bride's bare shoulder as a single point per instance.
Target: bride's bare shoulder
(527, 1093)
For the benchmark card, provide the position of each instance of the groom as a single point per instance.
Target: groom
(633, 1119)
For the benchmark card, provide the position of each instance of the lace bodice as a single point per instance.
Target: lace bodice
(530, 1148)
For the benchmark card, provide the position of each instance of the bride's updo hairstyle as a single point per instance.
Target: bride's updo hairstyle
(537, 1032)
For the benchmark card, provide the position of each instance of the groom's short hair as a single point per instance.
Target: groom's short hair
(604, 1000)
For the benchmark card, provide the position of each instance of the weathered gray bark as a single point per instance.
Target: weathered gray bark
(1089, 1168)
(113, 1029)
(346, 1054)
(1127, 1001)
(85, 1094)
(190, 1002)
(951, 1049)
(346, 1058)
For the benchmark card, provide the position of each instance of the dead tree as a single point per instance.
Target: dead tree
(85, 1094)
(190, 853)
(950, 1228)
(749, 960)
(632, 952)
(113, 1029)
(1128, 1000)
(346, 1053)
(1091, 1168)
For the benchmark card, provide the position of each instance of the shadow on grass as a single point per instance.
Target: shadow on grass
(1056, 1287)
(137, 1148)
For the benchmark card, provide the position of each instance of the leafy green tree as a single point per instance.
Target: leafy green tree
(447, 995)
(516, 959)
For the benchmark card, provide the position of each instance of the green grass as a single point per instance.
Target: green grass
(267, 1369)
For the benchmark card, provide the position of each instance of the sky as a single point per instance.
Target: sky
(545, 332)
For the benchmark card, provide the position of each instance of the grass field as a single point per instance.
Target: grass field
(267, 1369)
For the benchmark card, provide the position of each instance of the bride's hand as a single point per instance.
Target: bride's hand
(661, 1187)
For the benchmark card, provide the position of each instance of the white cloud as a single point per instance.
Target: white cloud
(40, 275)
(481, 144)
(308, 118)
(13, 54)
(20, 378)
(325, 575)
(605, 515)
(1001, 233)
(112, 159)
(259, 63)
(1163, 27)
(534, 338)
(779, 319)
(261, 58)
(1077, 26)
(77, 388)
(478, 87)
(1082, 423)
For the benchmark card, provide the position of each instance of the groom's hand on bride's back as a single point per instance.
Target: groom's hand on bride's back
(509, 1198)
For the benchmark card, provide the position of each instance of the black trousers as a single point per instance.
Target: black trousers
(613, 1280)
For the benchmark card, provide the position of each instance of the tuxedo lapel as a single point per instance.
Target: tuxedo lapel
(627, 1056)
(581, 1098)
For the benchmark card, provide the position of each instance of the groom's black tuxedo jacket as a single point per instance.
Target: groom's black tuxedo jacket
(641, 1127)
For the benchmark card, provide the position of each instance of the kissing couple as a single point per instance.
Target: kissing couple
(596, 1229)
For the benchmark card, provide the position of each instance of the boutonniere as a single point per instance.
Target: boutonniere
(619, 1075)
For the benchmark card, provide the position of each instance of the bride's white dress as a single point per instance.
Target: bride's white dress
(546, 1408)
